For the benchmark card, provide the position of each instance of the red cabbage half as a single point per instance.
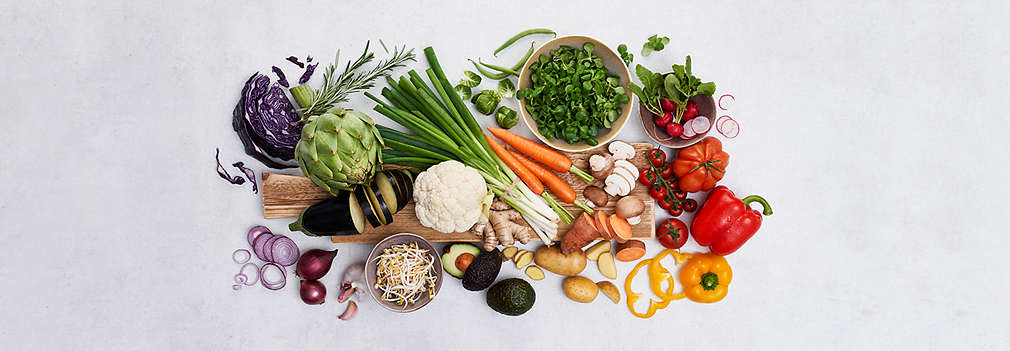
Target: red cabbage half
(267, 123)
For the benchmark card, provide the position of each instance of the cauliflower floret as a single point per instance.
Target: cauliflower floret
(448, 196)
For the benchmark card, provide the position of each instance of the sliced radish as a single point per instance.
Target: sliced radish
(720, 102)
(688, 133)
(701, 125)
(730, 128)
(720, 120)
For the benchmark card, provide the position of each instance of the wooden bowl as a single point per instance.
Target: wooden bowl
(613, 63)
(371, 265)
(706, 108)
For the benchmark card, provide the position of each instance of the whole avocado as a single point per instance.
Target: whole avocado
(511, 297)
(483, 270)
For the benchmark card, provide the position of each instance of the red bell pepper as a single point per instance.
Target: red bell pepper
(724, 222)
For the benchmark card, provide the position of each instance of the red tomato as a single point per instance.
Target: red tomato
(690, 205)
(656, 156)
(675, 211)
(666, 171)
(666, 205)
(646, 177)
(679, 194)
(658, 192)
(672, 233)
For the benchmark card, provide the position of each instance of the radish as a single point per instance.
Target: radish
(688, 133)
(667, 105)
(663, 120)
(729, 128)
(701, 125)
(675, 129)
(690, 111)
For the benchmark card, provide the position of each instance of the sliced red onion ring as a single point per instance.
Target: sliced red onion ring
(258, 245)
(268, 248)
(256, 231)
(255, 269)
(720, 120)
(283, 251)
(241, 256)
(236, 287)
(730, 128)
(241, 278)
(273, 285)
(720, 100)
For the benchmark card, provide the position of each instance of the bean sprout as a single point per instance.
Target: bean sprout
(404, 272)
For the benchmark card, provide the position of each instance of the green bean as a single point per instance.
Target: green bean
(522, 34)
(499, 68)
(519, 66)
(489, 74)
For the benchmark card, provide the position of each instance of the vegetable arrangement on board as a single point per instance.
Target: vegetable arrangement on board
(494, 184)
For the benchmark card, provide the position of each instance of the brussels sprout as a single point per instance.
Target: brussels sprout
(486, 101)
(469, 79)
(506, 88)
(506, 117)
(463, 91)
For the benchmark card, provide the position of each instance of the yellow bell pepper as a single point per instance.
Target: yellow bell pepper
(706, 278)
(633, 296)
(658, 273)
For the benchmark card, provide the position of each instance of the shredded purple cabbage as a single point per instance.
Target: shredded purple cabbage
(308, 73)
(295, 61)
(249, 174)
(283, 81)
(237, 180)
(308, 59)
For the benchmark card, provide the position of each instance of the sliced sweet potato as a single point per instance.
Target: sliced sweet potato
(620, 228)
(601, 225)
(630, 250)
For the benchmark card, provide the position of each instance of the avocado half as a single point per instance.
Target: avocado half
(483, 271)
(456, 255)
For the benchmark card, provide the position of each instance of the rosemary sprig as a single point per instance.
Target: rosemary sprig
(336, 90)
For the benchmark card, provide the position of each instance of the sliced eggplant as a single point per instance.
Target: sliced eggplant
(404, 194)
(407, 184)
(366, 207)
(388, 191)
(382, 209)
(333, 216)
(357, 215)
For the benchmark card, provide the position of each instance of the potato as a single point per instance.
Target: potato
(600, 247)
(534, 272)
(523, 258)
(580, 289)
(607, 265)
(610, 290)
(551, 259)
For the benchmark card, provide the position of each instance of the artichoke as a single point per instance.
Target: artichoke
(339, 149)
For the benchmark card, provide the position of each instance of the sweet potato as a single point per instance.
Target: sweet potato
(620, 228)
(601, 225)
(630, 250)
(582, 233)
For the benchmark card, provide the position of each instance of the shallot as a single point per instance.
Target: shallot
(315, 263)
(313, 292)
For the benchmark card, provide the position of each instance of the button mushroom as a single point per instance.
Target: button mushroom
(630, 208)
(596, 196)
(621, 150)
(601, 164)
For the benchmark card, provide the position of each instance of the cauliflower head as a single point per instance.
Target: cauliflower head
(448, 196)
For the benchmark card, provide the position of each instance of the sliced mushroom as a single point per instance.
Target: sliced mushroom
(621, 150)
(601, 164)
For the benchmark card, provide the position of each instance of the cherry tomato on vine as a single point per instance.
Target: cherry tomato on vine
(672, 233)
(666, 205)
(679, 194)
(675, 211)
(690, 205)
(647, 177)
(656, 156)
(666, 171)
(658, 192)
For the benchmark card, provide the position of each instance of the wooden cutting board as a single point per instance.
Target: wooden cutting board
(286, 196)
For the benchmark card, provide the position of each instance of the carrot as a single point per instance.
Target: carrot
(620, 227)
(630, 251)
(550, 158)
(557, 185)
(524, 173)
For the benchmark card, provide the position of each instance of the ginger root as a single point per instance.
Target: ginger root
(501, 225)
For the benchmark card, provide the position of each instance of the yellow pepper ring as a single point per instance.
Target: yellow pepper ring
(658, 273)
(633, 296)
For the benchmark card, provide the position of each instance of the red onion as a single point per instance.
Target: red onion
(255, 269)
(283, 251)
(350, 312)
(256, 231)
(313, 292)
(268, 248)
(315, 263)
(275, 285)
(258, 245)
(241, 256)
